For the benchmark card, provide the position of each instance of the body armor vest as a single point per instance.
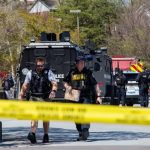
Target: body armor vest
(144, 77)
(120, 80)
(83, 81)
(40, 85)
(144, 80)
(79, 81)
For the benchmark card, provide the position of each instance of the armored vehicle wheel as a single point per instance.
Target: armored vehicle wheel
(129, 104)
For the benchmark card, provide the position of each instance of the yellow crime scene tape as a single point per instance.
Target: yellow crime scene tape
(81, 113)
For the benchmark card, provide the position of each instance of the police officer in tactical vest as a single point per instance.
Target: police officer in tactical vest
(120, 82)
(42, 85)
(81, 78)
(143, 83)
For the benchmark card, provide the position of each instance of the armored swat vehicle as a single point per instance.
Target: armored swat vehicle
(60, 57)
(101, 65)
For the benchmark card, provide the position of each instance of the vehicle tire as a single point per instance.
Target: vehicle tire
(129, 104)
(115, 101)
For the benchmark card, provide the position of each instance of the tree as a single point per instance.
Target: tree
(11, 34)
(96, 18)
(35, 24)
(132, 31)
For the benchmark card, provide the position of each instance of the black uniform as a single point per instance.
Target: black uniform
(7, 84)
(85, 82)
(121, 81)
(143, 82)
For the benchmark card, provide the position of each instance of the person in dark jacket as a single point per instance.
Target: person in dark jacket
(42, 85)
(143, 83)
(120, 82)
(80, 78)
(7, 84)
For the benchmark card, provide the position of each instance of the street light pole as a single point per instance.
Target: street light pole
(78, 28)
(78, 24)
(59, 23)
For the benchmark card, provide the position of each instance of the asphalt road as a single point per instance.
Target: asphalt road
(83, 148)
(63, 137)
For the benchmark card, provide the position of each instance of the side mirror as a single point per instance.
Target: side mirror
(96, 67)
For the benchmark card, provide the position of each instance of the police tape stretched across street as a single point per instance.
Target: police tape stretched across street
(82, 113)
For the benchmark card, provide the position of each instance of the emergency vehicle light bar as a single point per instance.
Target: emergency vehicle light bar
(51, 44)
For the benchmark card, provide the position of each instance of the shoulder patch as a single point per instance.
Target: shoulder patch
(45, 71)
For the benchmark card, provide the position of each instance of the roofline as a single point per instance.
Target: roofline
(41, 2)
(44, 4)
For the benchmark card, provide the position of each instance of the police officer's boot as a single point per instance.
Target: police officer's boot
(45, 138)
(80, 136)
(31, 137)
(142, 103)
(145, 104)
(83, 135)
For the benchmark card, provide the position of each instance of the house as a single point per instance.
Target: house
(42, 6)
(28, 1)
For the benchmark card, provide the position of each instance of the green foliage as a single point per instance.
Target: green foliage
(96, 18)
(105, 22)
(131, 34)
(10, 38)
(35, 24)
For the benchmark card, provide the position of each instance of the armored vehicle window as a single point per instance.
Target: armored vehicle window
(59, 52)
(40, 52)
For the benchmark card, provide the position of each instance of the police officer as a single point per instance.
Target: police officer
(42, 85)
(81, 78)
(7, 84)
(143, 83)
(120, 82)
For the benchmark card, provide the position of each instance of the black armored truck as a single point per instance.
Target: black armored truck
(60, 58)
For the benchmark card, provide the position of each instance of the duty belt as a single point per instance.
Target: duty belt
(41, 95)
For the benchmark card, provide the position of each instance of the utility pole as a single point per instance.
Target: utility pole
(78, 24)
